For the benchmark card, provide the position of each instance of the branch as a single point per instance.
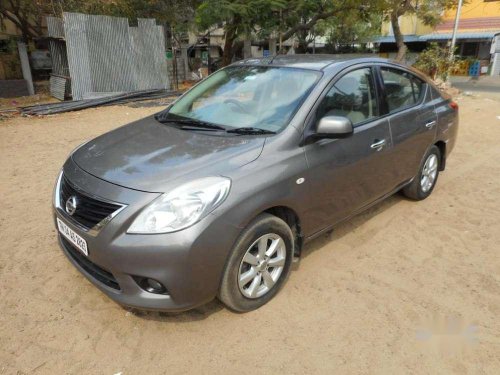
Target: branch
(15, 7)
(404, 7)
(11, 18)
(16, 21)
(308, 25)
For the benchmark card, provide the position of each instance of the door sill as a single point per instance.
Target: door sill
(357, 212)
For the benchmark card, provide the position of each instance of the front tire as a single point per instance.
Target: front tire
(424, 182)
(258, 265)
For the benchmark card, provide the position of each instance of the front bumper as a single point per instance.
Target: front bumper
(189, 263)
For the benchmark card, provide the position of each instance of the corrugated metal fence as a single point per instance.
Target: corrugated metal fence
(60, 83)
(106, 55)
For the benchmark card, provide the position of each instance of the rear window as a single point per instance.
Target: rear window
(402, 89)
(436, 93)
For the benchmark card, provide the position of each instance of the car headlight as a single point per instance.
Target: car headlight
(182, 207)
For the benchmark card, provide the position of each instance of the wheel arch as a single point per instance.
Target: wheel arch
(441, 145)
(289, 216)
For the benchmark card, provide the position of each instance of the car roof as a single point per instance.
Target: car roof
(314, 62)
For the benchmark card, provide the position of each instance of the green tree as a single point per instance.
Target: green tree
(354, 28)
(289, 18)
(428, 11)
(240, 18)
(27, 15)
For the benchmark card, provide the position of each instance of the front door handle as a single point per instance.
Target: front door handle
(430, 124)
(378, 145)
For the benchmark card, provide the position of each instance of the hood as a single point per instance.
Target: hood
(146, 155)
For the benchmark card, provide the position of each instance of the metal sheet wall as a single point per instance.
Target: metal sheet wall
(150, 64)
(59, 58)
(106, 55)
(55, 27)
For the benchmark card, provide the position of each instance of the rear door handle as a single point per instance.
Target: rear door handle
(430, 124)
(378, 145)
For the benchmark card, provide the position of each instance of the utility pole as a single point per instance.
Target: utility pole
(455, 29)
(453, 41)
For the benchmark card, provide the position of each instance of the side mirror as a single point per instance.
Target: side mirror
(334, 127)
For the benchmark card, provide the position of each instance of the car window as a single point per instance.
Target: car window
(248, 96)
(435, 93)
(352, 96)
(402, 89)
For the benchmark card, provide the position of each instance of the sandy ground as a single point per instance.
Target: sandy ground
(403, 288)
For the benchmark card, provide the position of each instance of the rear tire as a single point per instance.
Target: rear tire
(258, 265)
(424, 182)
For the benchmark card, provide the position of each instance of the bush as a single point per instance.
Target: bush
(435, 61)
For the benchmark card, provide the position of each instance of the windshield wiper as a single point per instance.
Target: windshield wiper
(190, 124)
(250, 130)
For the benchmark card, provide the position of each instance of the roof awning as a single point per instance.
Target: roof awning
(481, 35)
(390, 39)
(461, 35)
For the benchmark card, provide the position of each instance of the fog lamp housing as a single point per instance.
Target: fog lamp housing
(151, 285)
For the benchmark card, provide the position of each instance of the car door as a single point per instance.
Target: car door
(412, 119)
(347, 174)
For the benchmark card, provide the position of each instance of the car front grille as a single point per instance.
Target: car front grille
(89, 211)
(98, 273)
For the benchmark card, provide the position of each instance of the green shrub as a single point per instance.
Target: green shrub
(435, 61)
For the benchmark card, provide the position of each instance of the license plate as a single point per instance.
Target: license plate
(71, 235)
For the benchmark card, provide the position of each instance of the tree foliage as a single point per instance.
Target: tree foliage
(427, 11)
(345, 31)
(240, 18)
(283, 18)
(27, 15)
(344, 21)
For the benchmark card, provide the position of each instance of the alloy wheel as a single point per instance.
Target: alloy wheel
(429, 173)
(262, 266)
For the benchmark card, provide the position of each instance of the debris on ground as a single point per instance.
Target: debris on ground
(445, 87)
(68, 106)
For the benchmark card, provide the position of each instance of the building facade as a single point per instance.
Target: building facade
(477, 39)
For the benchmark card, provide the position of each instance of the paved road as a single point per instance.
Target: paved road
(486, 84)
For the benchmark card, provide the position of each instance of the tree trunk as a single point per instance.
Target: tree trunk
(302, 46)
(230, 40)
(228, 53)
(399, 37)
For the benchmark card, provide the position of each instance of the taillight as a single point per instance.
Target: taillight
(453, 105)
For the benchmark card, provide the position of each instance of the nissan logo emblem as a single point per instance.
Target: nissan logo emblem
(71, 205)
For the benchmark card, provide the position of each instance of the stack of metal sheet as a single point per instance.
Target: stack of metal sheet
(68, 106)
(60, 86)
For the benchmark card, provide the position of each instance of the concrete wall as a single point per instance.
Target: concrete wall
(409, 24)
(474, 9)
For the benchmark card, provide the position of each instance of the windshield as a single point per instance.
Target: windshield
(248, 96)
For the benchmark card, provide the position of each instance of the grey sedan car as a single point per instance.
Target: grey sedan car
(215, 195)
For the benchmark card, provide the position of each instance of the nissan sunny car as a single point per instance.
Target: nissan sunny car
(215, 195)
